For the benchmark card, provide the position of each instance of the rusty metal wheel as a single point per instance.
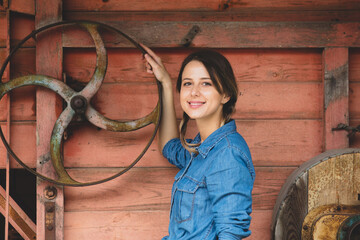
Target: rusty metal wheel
(78, 103)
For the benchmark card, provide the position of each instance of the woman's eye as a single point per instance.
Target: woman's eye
(207, 83)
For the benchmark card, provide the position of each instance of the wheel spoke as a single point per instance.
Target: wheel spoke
(101, 63)
(118, 126)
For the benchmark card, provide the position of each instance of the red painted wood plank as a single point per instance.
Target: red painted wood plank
(140, 225)
(249, 15)
(268, 65)
(354, 99)
(22, 25)
(23, 6)
(208, 5)
(23, 99)
(138, 5)
(354, 65)
(272, 143)
(23, 143)
(233, 34)
(336, 92)
(3, 32)
(146, 189)
(257, 101)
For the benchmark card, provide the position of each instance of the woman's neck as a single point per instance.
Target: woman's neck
(206, 128)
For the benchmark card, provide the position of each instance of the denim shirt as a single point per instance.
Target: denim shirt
(211, 195)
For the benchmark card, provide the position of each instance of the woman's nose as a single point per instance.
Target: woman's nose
(195, 90)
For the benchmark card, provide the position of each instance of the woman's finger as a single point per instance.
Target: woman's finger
(152, 54)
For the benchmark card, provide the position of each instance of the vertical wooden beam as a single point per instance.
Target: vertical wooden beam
(48, 106)
(8, 120)
(336, 96)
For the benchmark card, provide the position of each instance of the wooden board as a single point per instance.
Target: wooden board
(207, 5)
(354, 65)
(336, 96)
(144, 189)
(22, 25)
(23, 143)
(272, 143)
(234, 34)
(335, 181)
(354, 99)
(23, 99)
(247, 15)
(150, 225)
(261, 65)
(23, 6)
(3, 32)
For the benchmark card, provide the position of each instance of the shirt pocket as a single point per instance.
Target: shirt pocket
(184, 199)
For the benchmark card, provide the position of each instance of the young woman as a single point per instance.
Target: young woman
(211, 195)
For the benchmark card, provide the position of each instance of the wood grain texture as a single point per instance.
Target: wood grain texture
(22, 25)
(247, 15)
(272, 143)
(148, 189)
(3, 32)
(257, 101)
(336, 96)
(208, 5)
(23, 99)
(150, 225)
(23, 144)
(23, 6)
(234, 34)
(293, 211)
(335, 181)
(49, 59)
(354, 99)
(354, 65)
(261, 65)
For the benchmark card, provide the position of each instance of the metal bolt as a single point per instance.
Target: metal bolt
(50, 192)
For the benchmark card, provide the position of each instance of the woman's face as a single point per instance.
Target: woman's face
(198, 95)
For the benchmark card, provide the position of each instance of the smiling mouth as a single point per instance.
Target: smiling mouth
(196, 104)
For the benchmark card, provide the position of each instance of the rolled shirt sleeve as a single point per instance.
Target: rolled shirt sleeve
(175, 153)
(230, 182)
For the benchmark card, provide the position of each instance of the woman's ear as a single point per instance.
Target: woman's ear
(225, 99)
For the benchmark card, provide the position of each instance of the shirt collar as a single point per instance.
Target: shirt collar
(214, 138)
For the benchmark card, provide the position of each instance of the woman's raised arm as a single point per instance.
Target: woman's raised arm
(168, 126)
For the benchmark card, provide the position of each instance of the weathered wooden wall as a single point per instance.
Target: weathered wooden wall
(276, 50)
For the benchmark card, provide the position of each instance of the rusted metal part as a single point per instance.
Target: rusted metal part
(78, 103)
(351, 130)
(325, 221)
(350, 228)
(186, 41)
(50, 221)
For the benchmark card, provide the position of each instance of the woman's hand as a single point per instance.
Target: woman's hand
(156, 67)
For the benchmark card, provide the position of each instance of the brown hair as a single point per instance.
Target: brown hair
(223, 78)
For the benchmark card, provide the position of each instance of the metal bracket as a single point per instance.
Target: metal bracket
(351, 130)
(50, 220)
(186, 41)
